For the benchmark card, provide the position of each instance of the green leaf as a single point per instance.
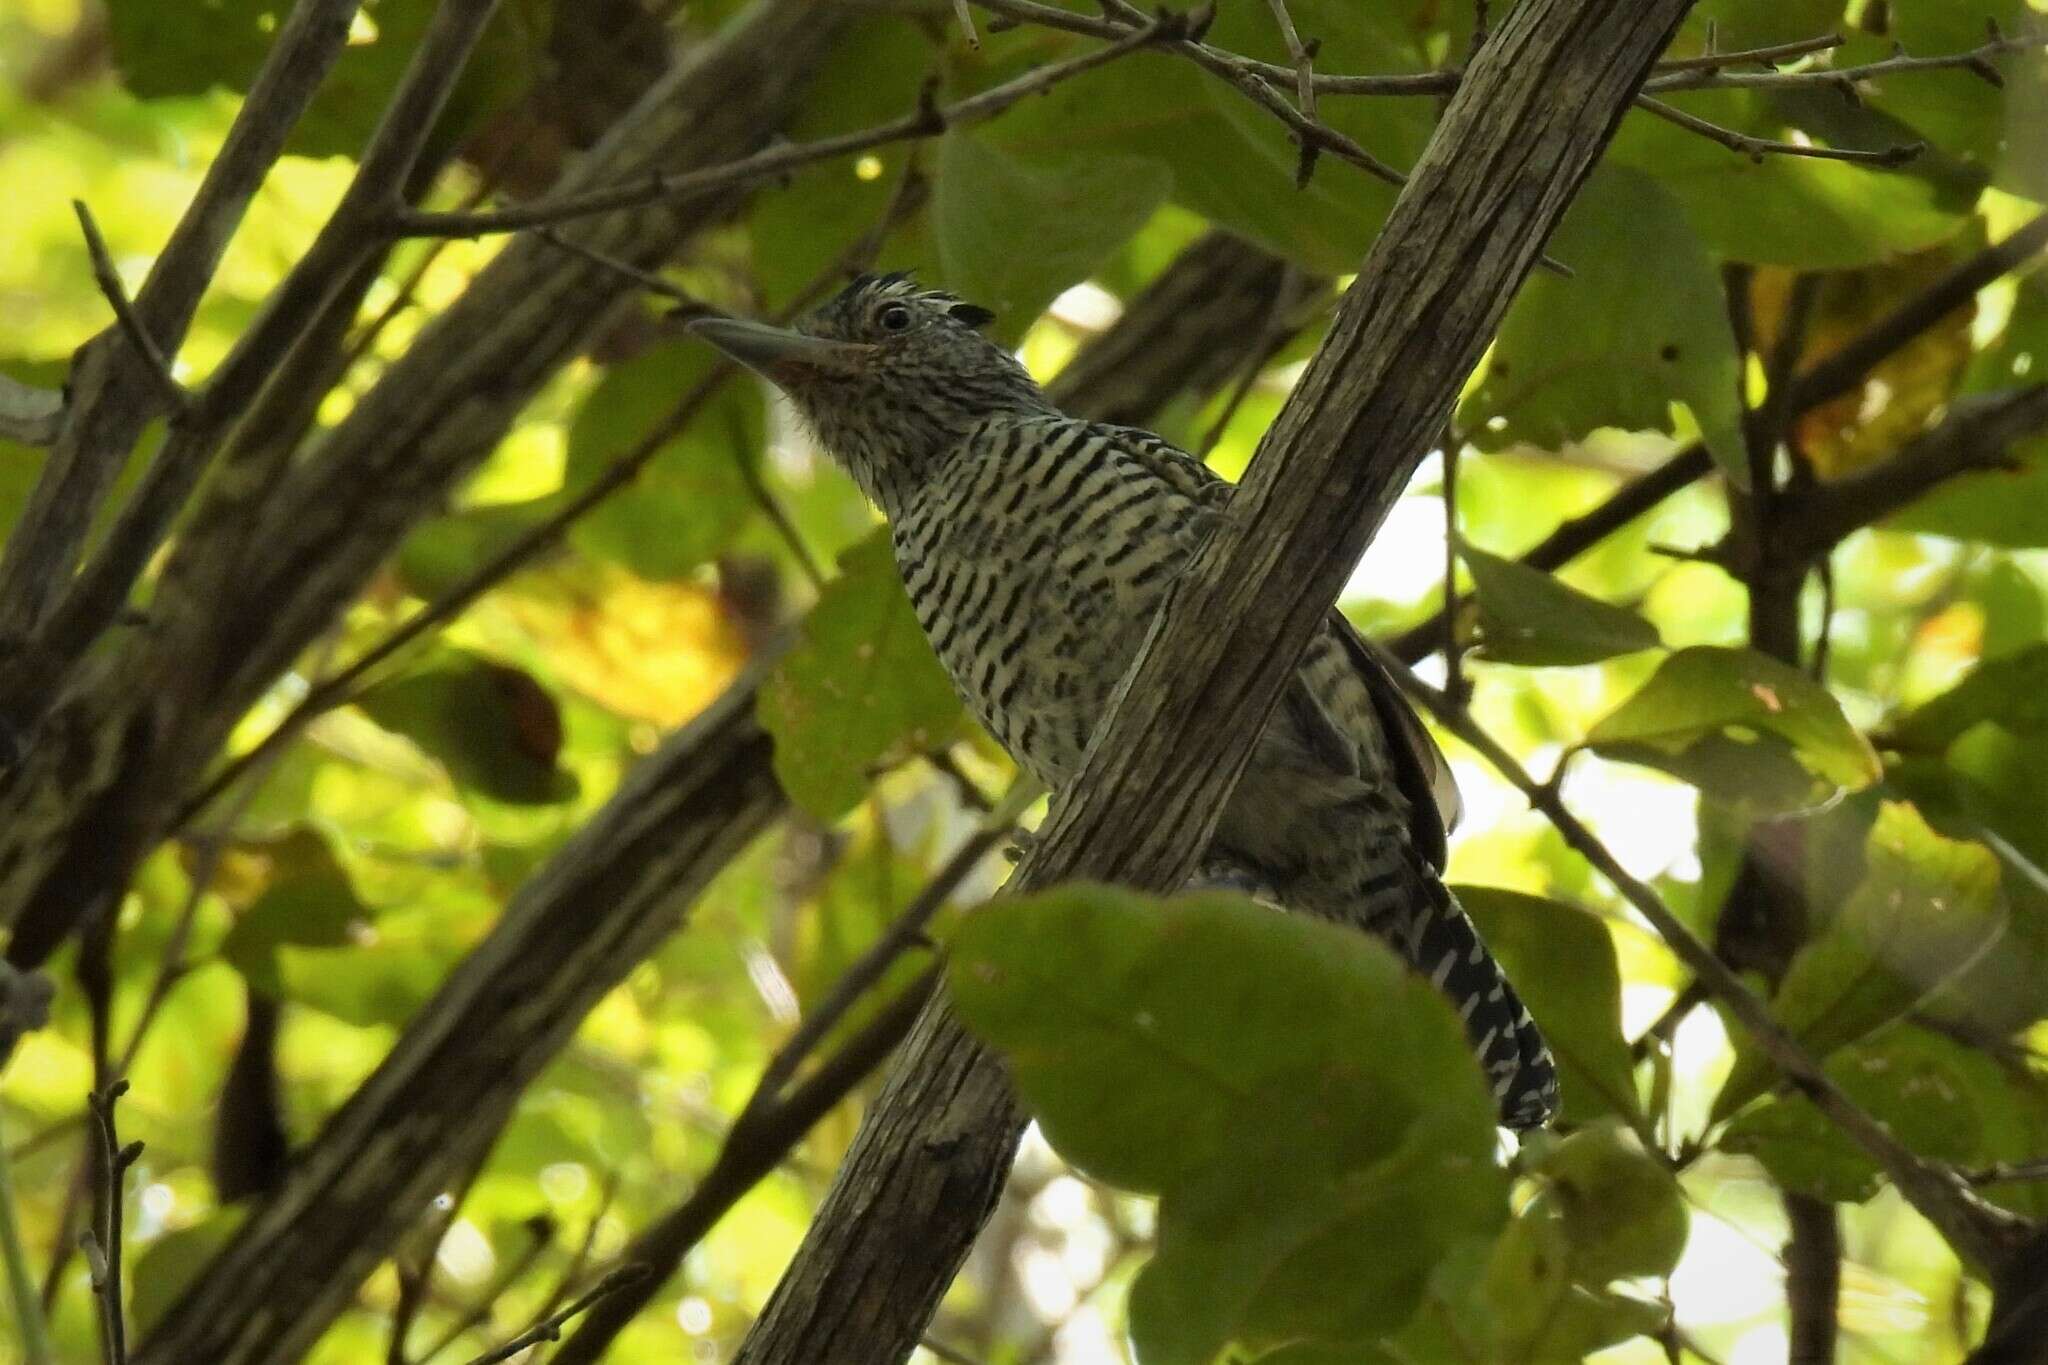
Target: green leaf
(860, 687)
(168, 1265)
(1742, 24)
(1543, 1310)
(445, 550)
(1946, 1101)
(1231, 162)
(1701, 712)
(1012, 234)
(1529, 617)
(494, 728)
(1306, 1107)
(693, 497)
(1622, 1213)
(1562, 961)
(870, 75)
(1927, 908)
(1589, 352)
(1788, 210)
(2013, 691)
(309, 902)
(169, 50)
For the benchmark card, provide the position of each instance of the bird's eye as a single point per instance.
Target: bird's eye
(894, 318)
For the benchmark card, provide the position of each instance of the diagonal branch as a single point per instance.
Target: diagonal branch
(1757, 148)
(155, 366)
(1522, 131)
(341, 245)
(111, 399)
(1976, 435)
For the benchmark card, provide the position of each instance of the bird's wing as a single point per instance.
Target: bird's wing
(1421, 772)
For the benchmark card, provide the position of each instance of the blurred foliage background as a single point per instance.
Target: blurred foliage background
(1886, 782)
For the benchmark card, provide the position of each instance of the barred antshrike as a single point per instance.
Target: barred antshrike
(1037, 548)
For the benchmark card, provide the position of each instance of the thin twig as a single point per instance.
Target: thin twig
(926, 121)
(159, 369)
(2010, 1172)
(646, 279)
(754, 1146)
(1456, 685)
(103, 1248)
(607, 1194)
(1303, 56)
(542, 1230)
(1750, 56)
(1976, 61)
(1757, 148)
(965, 14)
(625, 1277)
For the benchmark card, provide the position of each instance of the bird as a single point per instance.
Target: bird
(1037, 548)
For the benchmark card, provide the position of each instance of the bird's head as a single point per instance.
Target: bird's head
(889, 374)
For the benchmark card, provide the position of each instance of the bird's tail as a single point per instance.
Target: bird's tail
(1441, 942)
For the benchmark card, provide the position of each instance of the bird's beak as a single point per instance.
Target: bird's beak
(778, 352)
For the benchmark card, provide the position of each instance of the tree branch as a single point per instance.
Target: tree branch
(111, 397)
(340, 247)
(155, 366)
(1757, 148)
(1976, 435)
(1550, 85)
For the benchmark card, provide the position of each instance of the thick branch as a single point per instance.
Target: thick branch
(1976, 435)
(1521, 133)
(111, 394)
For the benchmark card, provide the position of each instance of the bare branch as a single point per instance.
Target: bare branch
(625, 1277)
(155, 366)
(926, 121)
(1757, 148)
(102, 1245)
(1976, 61)
(1751, 56)
(1304, 84)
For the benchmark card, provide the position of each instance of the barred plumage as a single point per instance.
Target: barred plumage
(1037, 548)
